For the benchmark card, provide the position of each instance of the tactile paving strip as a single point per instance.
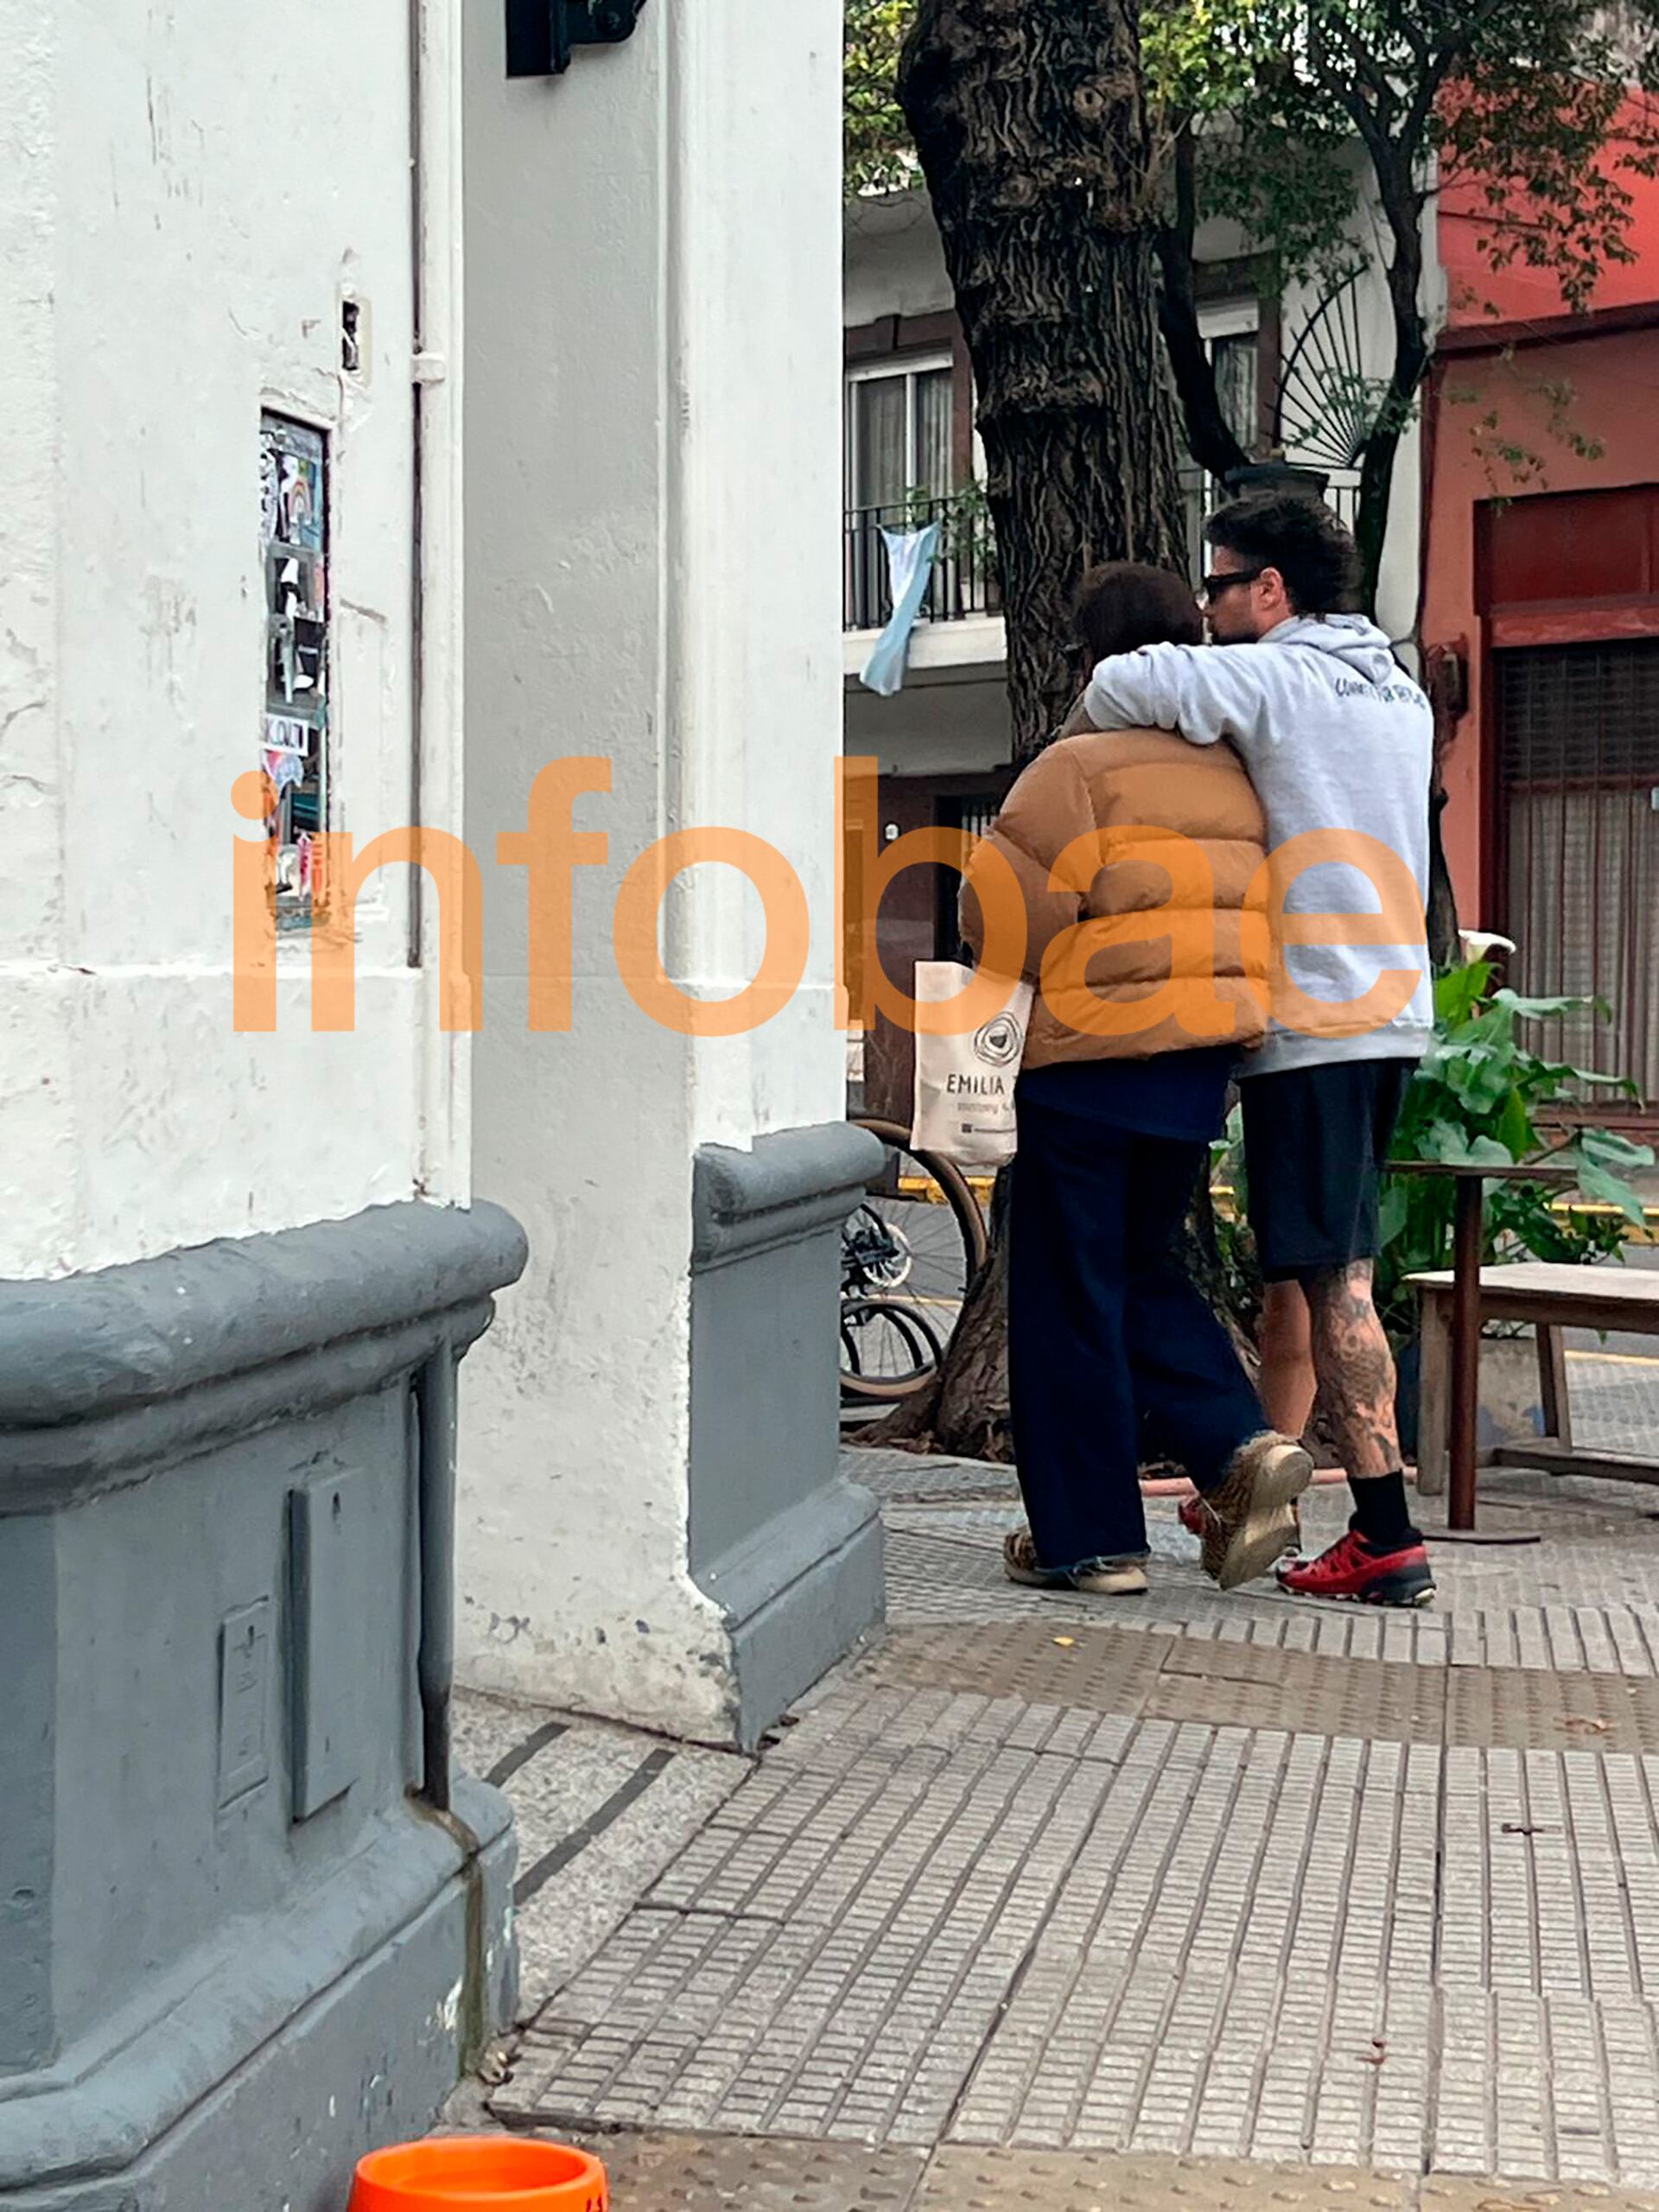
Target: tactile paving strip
(664, 2173)
(650, 2172)
(1132, 1672)
(1140, 1675)
(1015, 2181)
(1102, 1670)
(1448, 2193)
(1520, 1710)
(1258, 1686)
(1390, 1705)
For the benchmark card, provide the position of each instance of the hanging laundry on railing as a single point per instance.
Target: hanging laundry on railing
(910, 567)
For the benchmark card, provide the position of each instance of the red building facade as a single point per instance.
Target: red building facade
(1540, 608)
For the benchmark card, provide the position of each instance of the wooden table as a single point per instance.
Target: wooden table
(1468, 1244)
(1551, 1296)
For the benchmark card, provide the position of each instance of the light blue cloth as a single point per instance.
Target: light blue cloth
(910, 565)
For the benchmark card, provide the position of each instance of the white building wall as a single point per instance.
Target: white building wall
(653, 578)
(756, 571)
(198, 190)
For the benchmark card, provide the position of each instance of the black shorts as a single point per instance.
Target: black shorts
(1315, 1142)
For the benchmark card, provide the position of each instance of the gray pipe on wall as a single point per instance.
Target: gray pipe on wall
(435, 1406)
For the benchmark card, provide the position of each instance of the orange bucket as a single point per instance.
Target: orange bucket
(479, 2173)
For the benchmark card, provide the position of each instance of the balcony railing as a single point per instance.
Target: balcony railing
(963, 582)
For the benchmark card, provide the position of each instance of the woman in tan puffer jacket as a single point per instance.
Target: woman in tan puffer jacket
(1138, 860)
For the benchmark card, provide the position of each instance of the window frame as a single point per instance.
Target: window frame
(1230, 319)
(1238, 316)
(933, 361)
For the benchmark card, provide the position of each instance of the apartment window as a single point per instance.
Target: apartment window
(899, 422)
(293, 739)
(1232, 338)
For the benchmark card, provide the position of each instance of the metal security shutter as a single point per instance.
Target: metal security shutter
(1577, 764)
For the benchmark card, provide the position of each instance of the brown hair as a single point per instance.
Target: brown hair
(1124, 605)
(1310, 546)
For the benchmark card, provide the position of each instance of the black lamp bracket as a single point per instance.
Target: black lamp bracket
(543, 35)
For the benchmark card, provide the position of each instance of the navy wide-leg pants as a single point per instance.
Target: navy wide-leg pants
(1108, 1335)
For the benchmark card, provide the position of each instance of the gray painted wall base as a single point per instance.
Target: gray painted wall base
(789, 1628)
(789, 1548)
(236, 1949)
(368, 2060)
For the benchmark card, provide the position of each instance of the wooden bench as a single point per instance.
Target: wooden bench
(1552, 1298)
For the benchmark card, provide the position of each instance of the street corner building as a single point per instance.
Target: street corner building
(653, 303)
(301, 461)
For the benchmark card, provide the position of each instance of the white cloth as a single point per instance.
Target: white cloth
(909, 570)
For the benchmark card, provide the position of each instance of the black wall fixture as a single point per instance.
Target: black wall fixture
(541, 35)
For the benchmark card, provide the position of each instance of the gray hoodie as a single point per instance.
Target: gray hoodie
(1336, 738)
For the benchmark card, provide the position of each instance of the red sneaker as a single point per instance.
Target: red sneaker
(1351, 1569)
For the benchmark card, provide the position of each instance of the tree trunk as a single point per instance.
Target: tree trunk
(1030, 122)
(965, 1411)
(1394, 165)
(1445, 947)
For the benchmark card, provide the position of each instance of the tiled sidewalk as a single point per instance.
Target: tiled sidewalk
(1190, 1879)
(657, 2172)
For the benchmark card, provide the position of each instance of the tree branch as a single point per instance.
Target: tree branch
(1210, 438)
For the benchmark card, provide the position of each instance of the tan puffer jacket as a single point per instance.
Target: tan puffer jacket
(1170, 959)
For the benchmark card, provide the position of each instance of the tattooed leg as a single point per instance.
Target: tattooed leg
(1355, 1368)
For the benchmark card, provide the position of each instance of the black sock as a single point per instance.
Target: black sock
(1381, 1515)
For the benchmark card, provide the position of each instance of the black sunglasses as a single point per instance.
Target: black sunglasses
(1214, 586)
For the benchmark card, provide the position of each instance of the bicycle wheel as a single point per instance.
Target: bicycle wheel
(913, 1179)
(912, 1248)
(889, 1349)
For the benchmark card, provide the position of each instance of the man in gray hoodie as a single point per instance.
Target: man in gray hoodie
(1337, 742)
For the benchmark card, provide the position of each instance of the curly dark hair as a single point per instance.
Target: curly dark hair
(1300, 537)
(1124, 605)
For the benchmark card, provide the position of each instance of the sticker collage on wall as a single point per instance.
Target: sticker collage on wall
(293, 528)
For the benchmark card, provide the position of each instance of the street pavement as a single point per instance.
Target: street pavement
(1184, 1901)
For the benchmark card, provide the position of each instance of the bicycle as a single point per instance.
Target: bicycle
(908, 1252)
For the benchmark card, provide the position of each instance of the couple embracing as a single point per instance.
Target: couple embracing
(1294, 728)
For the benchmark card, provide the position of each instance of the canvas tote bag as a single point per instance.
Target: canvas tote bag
(964, 1085)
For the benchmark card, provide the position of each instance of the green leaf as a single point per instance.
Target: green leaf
(1562, 1072)
(1478, 1078)
(1393, 1210)
(1458, 1148)
(1442, 1141)
(1515, 1126)
(1613, 1191)
(1461, 991)
(1606, 1149)
(879, 153)
(1543, 1009)
(1487, 1152)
